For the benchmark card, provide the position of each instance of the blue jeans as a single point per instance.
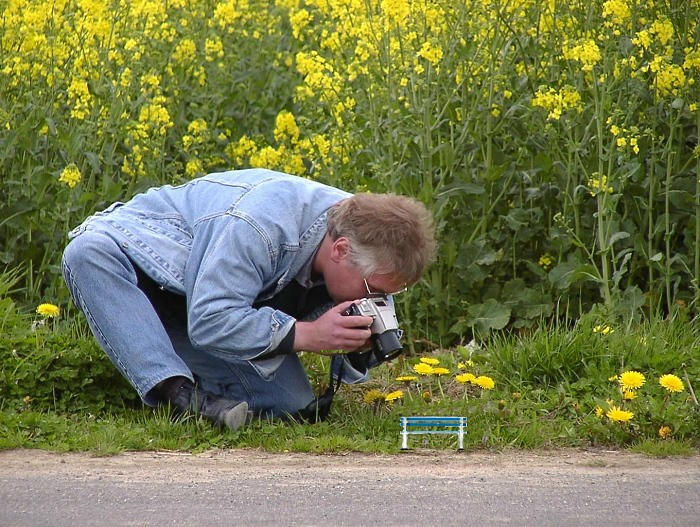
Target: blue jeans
(143, 331)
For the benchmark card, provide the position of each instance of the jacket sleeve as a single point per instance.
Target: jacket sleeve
(230, 261)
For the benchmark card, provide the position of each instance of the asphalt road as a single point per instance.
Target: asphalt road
(422, 488)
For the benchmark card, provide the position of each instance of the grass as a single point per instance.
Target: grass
(552, 388)
(662, 448)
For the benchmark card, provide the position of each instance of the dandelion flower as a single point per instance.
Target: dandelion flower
(485, 382)
(618, 415)
(461, 366)
(440, 371)
(629, 395)
(426, 396)
(48, 310)
(465, 377)
(372, 396)
(664, 432)
(603, 329)
(671, 383)
(598, 412)
(423, 369)
(390, 397)
(407, 378)
(430, 361)
(631, 380)
(614, 378)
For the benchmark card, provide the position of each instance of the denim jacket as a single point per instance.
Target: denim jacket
(226, 241)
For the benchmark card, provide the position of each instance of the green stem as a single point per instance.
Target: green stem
(697, 223)
(667, 210)
(650, 218)
(601, 199)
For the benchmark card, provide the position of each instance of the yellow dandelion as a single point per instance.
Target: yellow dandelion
(430, 361)
(618, 415)
(664, 432)
(440, 371)
(603, 329)
(671, 383)
(629, 395)
(465, 378)
(598, 412)
(485, 382)
(407, 378)
(372, 396)
(614, 378)
(390, 397)
(461, 366)
(48, 310)
(426, 396)
(631, 380)
(423, 369)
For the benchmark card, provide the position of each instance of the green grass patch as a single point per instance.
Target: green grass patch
(550, 387)
(664, 448)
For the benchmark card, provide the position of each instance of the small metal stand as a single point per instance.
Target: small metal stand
(432, 425)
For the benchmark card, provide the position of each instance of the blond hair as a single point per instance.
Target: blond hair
(388, 234)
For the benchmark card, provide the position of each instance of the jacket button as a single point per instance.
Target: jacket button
(125, 245)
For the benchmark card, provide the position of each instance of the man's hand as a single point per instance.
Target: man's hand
(333, 331)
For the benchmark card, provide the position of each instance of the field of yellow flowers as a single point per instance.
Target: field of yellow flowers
(556, 143)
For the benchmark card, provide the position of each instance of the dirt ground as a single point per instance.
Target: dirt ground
(211, 465)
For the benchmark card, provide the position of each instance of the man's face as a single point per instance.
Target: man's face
(345, 281)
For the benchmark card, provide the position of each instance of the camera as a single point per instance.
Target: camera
(385, 330)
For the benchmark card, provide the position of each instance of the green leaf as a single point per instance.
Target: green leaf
(567, 273)
(489, 315)
(617, 237)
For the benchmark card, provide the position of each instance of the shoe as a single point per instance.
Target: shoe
(183, 396)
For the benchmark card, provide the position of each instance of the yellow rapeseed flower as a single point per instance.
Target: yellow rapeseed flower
(429, 360)
(485, 382)
(423, 369)
(430, 52)
(618, 415)
(545, 261)
(48, 310)
(70, 175)
(671, 383)
(631, 380)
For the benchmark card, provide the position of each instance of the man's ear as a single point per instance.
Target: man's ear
(340, 249)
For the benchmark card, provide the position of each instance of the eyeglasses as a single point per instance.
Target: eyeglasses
(378, 293)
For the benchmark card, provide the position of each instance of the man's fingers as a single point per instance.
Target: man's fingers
(356, 321)
(342, 306)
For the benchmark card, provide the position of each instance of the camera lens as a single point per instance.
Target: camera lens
(387, 345)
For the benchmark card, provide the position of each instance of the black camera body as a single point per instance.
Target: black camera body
(386, 335)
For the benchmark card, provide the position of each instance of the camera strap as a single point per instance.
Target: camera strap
(318, 409)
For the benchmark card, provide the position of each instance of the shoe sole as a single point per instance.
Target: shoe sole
(236, 416)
